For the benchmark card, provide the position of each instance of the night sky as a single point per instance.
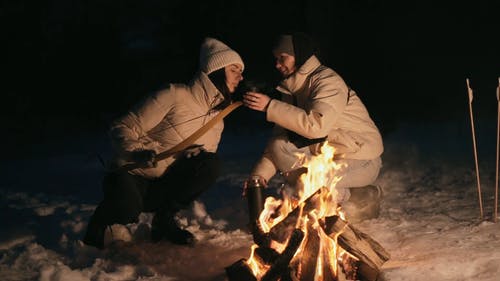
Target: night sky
(73, 65)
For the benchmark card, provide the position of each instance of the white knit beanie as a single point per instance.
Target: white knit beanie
(215, 55)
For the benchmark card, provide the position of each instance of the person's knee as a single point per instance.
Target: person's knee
(208, 166)
(282, 146)
(118, 183)
(284, 154)
(122, 198)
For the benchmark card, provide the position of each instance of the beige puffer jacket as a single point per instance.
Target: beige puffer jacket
(165, 119)
(325, 107)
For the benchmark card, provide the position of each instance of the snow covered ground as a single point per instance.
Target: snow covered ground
(429, 223)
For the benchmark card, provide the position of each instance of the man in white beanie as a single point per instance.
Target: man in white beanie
(157, 124)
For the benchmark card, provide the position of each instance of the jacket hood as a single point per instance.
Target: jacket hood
(296, 81)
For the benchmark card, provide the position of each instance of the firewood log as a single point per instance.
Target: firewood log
(281, 231)
(280, 266)
(240, 271)
(369, 252)
(309, 258)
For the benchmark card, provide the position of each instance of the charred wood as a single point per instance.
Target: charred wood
(289, 275)
(240, 271)
(259, 236)
(280, 266)
(267, 255)
(281, 231)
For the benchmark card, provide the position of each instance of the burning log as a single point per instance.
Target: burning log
(369, 252)
(259, 237)
(267, 255)
(279, 270)
(280, 266)
(362, 261)
(284, 228)
(307, 266)
(349, 268)
(319, 245)
(240, 271)
(316, 260)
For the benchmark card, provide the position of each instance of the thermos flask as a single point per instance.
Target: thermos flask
(254, 197)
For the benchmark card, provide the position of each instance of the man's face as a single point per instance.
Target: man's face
(285, 64)
(233, 76)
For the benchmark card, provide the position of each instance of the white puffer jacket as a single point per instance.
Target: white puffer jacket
(166, 118)
(325, 107)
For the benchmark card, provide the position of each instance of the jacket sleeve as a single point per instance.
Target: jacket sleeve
(127, 131)
(327, 100)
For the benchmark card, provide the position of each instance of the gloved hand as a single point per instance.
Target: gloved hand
(193, 150)
(145, 158)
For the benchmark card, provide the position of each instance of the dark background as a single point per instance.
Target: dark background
(71, 66)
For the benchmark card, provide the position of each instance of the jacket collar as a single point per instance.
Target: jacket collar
(296, 81)
(205, 91)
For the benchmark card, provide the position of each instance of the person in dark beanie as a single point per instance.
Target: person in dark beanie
(317, 106)
(158, 123)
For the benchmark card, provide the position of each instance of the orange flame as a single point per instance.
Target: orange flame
(258, 269)
(321, 174)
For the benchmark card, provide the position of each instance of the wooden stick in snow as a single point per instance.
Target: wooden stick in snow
(495, 216)
(469, 90)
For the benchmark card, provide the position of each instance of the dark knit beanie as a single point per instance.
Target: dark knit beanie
(297, 44)
(284, 44)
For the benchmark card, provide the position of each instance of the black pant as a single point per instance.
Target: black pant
(126, 195)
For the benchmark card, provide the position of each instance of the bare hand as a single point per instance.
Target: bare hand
(256, 101)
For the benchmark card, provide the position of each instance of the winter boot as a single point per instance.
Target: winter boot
(116, 234)
(95, 234)
(363, 204)
(164, 227)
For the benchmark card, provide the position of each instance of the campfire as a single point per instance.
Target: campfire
(307, 236)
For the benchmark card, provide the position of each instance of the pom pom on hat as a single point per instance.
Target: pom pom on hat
(215, 55)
